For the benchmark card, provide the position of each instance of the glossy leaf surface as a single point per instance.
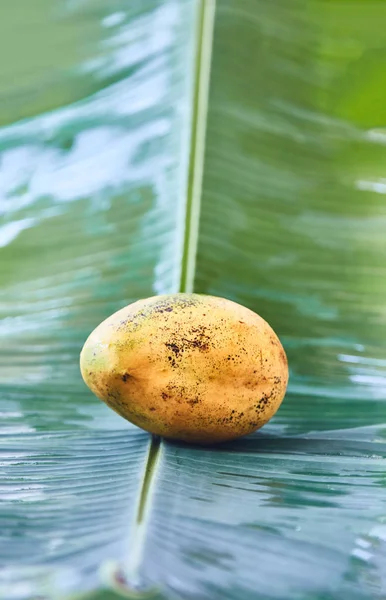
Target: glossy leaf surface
(102, 131)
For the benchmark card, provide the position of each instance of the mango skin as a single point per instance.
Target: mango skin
(196, 368)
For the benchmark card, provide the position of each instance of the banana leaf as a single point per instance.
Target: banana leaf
(234, 148)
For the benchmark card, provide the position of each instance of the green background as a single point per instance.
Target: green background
(96, 115)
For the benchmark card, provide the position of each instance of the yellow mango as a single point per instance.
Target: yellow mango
(196, 368)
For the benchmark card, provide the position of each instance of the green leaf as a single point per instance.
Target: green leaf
(159, 145)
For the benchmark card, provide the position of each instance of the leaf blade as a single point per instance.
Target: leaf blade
(267, 160)
(93, 187)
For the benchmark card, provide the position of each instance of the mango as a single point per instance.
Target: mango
(196, 368)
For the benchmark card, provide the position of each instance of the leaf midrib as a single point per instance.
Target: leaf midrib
(202, 62)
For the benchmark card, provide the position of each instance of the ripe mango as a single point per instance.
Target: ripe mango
(197, 368)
